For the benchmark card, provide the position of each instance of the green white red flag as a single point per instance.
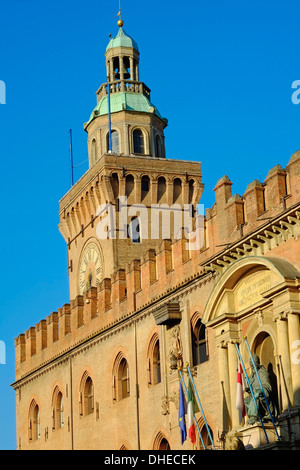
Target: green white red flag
(191, 414)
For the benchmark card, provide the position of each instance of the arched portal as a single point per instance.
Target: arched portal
(256, 299)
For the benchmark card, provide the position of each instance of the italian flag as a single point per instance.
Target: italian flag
(240, 404)
(191, 414)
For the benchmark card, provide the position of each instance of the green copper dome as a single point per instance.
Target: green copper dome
(124, 101)
(122, 40)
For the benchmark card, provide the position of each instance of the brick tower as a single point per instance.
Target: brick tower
(128, 171)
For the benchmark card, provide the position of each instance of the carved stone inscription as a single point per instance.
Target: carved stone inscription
(249, 290)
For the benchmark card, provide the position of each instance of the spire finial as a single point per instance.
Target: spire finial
(120, 21)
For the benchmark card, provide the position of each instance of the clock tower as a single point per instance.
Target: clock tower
(129, 198)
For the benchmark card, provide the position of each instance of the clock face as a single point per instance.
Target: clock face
(90, 271)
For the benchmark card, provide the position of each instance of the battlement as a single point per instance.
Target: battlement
(264, 217)
(234, 216)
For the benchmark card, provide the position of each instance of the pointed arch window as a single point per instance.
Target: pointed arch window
(199, 343)
(57, 409)
(138, 142)
(154, 363)
(121, 378)
(86, 396)
(34, 421)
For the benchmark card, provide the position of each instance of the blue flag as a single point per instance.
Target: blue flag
(181, 414)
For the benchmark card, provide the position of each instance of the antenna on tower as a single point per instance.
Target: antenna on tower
(71, 157)
(120, 21)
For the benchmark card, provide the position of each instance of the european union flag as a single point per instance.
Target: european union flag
(181, 414)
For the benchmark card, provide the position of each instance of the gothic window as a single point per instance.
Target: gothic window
(57, 409)
(161, 442)
(199, 343)
(205, 437)
(115, 147)
(121, 381)
(86, 395)
(154, 365)
(138, 142)
(34, 421)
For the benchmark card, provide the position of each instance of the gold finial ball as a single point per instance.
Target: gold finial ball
(120, 23)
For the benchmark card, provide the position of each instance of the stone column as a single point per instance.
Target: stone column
(232, 372)
(294, 342)
(121, 69)
(126, 139)
(137, 71)
(225, 387)
(111, 66)
(131, 68)
(284, 360)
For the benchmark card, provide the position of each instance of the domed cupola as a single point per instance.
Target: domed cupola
(124, 121)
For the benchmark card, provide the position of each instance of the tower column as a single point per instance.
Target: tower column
(121, 70)
(131, 68)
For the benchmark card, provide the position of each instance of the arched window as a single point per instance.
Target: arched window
(115, 147)
(145, 186)
(86, 395)
(161, 442)
(205, 436)
(138, 142)
(177, 189)
(154, 366)
(129, 185)
(34, 421)
(115, 184)
(121, 381)
(199, 343)
(161, 188)
(57, 409)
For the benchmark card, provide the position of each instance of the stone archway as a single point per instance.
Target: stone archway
(257, 297)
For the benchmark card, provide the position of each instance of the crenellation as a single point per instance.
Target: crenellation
(77, 312)
(158, 270)
(293, 179)
(104, 295)
(52, 328)
(30, 340)
(64, 320)
(148, 268)
(254, 204)
(41, 336)
(275, 190)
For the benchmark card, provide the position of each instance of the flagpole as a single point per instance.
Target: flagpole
(196, 422)
(251, 390)
(109, 115)
(262, 389)
(199, 402)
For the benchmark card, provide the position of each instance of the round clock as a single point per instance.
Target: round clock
(90, 269)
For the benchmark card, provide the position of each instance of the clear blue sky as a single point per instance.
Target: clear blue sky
(221, 72)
